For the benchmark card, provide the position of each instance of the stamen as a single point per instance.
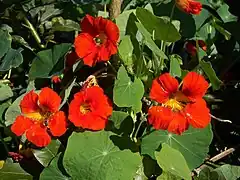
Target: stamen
(85, 108)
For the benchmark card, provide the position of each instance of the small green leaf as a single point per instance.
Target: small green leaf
(54, 171)
(225, 15)
(12, 59)
(162, 29)
(118, 117)
(67, 92)
(5, 92)
(127, 93)
(175, 62)
(228, 172)
(125, 50)
(5, 42)
(193, 144)
(13, 111)
(149, 42)
(45, 155)
(172, 161)
(11, 171)
(224, 172)
(209, 71)
(60, 24)
(3, 108)
(46, 60)
(92, 155)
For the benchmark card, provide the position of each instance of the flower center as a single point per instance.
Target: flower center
(177, 101)
(40, 116)
(100, 39)
(85, 108)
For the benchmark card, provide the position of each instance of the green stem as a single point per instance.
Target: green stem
(33, 32)
(4, 144)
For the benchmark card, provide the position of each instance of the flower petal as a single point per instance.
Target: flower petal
(111, 30)
(179, 124)
(194, 86)
(85, 48)
(88, 25)
(49, 99)
(38, 135)
(29, 103)
(58, 124)
(20, 125)
(160, 117)
(198, 114)
(163, 87)
(99, 109)
(189, 6)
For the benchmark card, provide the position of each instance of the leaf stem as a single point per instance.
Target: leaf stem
(113, 68)
(33, 32)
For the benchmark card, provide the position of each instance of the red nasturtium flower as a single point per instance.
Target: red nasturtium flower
(189, 6)
(97, 41)
(191, 46)
(180, 107)
(90, 109)
(40, 115)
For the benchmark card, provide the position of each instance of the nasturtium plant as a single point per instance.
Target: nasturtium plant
(119, 90)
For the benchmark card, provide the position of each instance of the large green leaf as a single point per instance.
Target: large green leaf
(54, 171)
(45, 155)
(118, 117)
(13, 171)
(162, 29)
(172, 161)
(149, 42)
(122, 20)
(168, 176)
(209, 71)
(3, 107)
(45, 61)
(12, 59)
(193, 144)
(125, 51)
(224, 172)
(92, 155)
(127, 93)
(5, 42)
(5, 92)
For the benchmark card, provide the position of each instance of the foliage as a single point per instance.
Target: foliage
(37, 50)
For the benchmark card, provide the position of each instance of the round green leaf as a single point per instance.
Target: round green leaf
(92, 155)
(127, 93)
(5, 92)
(11, 171)
(46, 61)
(5, 42)
(193, 144)
(176, 165)
(45, 155)
(12, 59)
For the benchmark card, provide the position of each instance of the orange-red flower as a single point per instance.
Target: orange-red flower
(97, 41)
(180, 107)
(191, 46)
(90, 109)
(189, 6)
(40, 115)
